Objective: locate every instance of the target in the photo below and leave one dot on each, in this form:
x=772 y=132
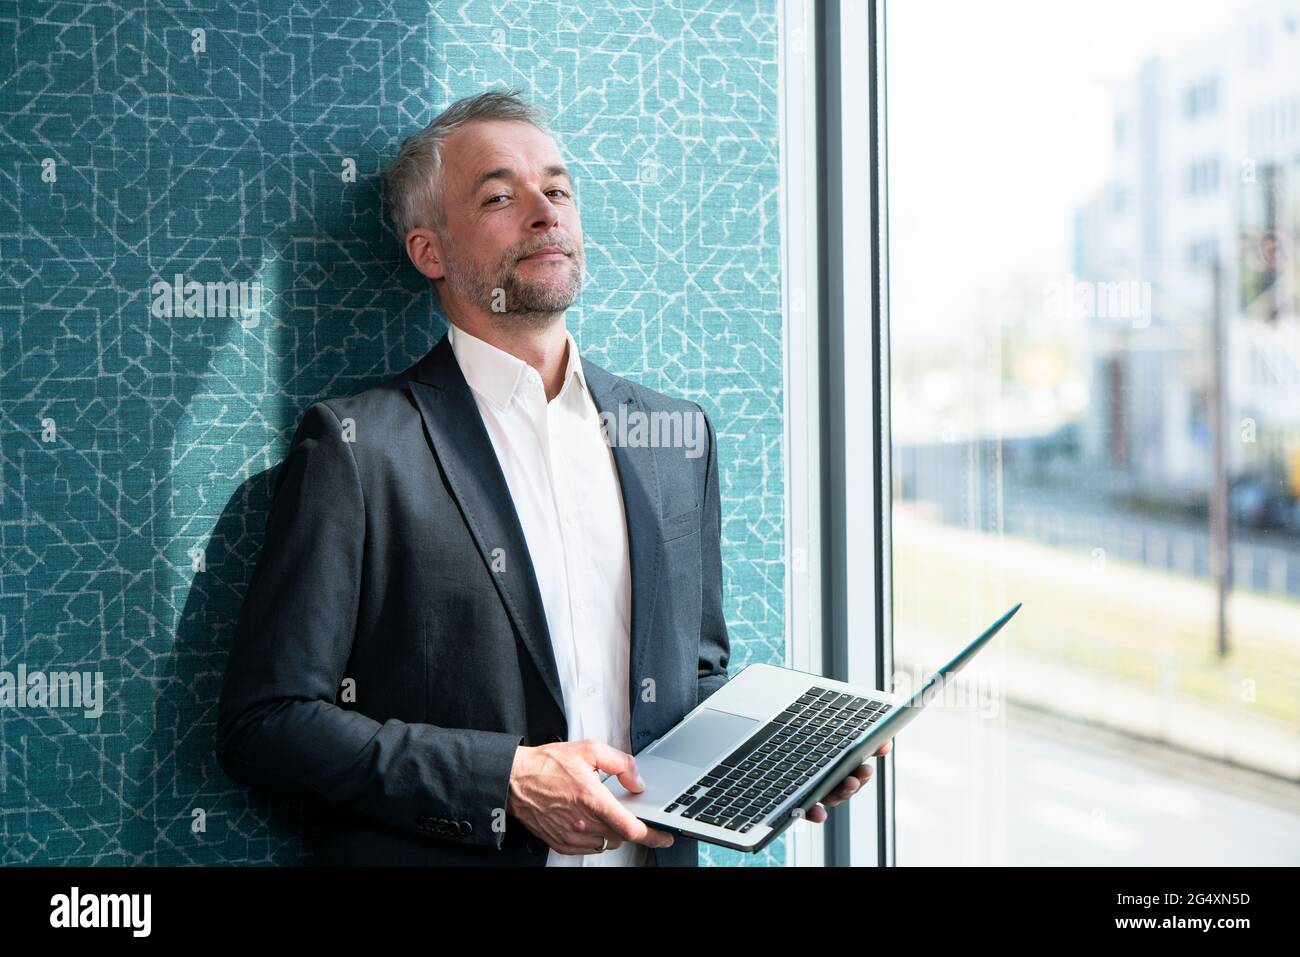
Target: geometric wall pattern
x=137 y=450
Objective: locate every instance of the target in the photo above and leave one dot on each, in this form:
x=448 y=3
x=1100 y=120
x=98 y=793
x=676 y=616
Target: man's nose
x=543 y=212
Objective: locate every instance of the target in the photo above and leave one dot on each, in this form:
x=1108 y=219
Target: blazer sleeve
x=715 y=645
x=278 y=724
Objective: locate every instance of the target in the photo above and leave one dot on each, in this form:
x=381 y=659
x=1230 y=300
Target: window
x=1202 y=98
x=1203 y=176
x=1067 y=407
x=1202 y=253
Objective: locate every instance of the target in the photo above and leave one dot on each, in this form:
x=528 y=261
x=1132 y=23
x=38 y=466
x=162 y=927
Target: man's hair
x=414 y=180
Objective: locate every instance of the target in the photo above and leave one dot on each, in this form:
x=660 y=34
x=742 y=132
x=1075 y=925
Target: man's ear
x=425 y=250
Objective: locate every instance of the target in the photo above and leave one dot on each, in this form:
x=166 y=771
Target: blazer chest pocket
x=683 y=524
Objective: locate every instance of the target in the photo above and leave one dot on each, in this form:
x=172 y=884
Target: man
x=473 y=597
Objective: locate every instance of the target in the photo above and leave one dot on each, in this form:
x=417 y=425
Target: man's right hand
x=557 y=792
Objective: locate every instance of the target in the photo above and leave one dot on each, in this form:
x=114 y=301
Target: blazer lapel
x=464 y=449
x=639 y=477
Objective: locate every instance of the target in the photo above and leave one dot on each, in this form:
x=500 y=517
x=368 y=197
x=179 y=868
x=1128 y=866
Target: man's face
x=505 y=197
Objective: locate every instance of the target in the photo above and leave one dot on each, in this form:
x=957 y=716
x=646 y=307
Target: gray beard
x=525 y=301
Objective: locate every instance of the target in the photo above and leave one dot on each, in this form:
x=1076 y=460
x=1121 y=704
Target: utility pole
x=1220 y=522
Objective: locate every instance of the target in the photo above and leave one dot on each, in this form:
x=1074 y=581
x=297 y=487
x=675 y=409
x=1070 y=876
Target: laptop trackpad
x=704 y=740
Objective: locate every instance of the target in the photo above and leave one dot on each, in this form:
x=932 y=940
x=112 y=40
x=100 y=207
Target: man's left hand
x=848 y=787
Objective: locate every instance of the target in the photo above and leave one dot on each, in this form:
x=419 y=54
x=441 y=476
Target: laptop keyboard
x=756 y=779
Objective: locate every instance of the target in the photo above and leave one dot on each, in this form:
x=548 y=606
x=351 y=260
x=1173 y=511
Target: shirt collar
x=497 y=375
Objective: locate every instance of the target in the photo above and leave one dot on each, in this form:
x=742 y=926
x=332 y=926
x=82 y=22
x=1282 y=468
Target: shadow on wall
x=332 y=306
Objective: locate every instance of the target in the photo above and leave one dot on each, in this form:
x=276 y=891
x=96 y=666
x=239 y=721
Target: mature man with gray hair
x=472 y=597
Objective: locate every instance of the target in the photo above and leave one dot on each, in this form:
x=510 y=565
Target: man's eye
x=493 y=199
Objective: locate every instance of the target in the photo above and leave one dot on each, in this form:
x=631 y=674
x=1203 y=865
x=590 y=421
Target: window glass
x=1064 y=183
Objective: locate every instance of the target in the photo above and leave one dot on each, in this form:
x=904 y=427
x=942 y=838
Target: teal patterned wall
x=217 y=142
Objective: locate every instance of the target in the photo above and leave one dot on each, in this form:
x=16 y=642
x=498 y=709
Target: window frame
x=835 y=335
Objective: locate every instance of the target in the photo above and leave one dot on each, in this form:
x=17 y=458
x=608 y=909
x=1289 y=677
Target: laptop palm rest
x=706 y=739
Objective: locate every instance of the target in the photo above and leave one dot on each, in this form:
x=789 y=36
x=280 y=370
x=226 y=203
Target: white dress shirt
x=565 y=487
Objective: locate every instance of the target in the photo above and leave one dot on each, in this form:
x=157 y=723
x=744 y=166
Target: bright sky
x=999 y=125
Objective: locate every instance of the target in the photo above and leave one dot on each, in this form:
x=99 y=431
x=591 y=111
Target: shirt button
x=591 y=692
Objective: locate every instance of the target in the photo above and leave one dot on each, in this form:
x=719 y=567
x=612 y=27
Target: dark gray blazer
x=382 y=563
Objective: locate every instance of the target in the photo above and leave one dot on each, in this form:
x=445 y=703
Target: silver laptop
x=765 y=747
